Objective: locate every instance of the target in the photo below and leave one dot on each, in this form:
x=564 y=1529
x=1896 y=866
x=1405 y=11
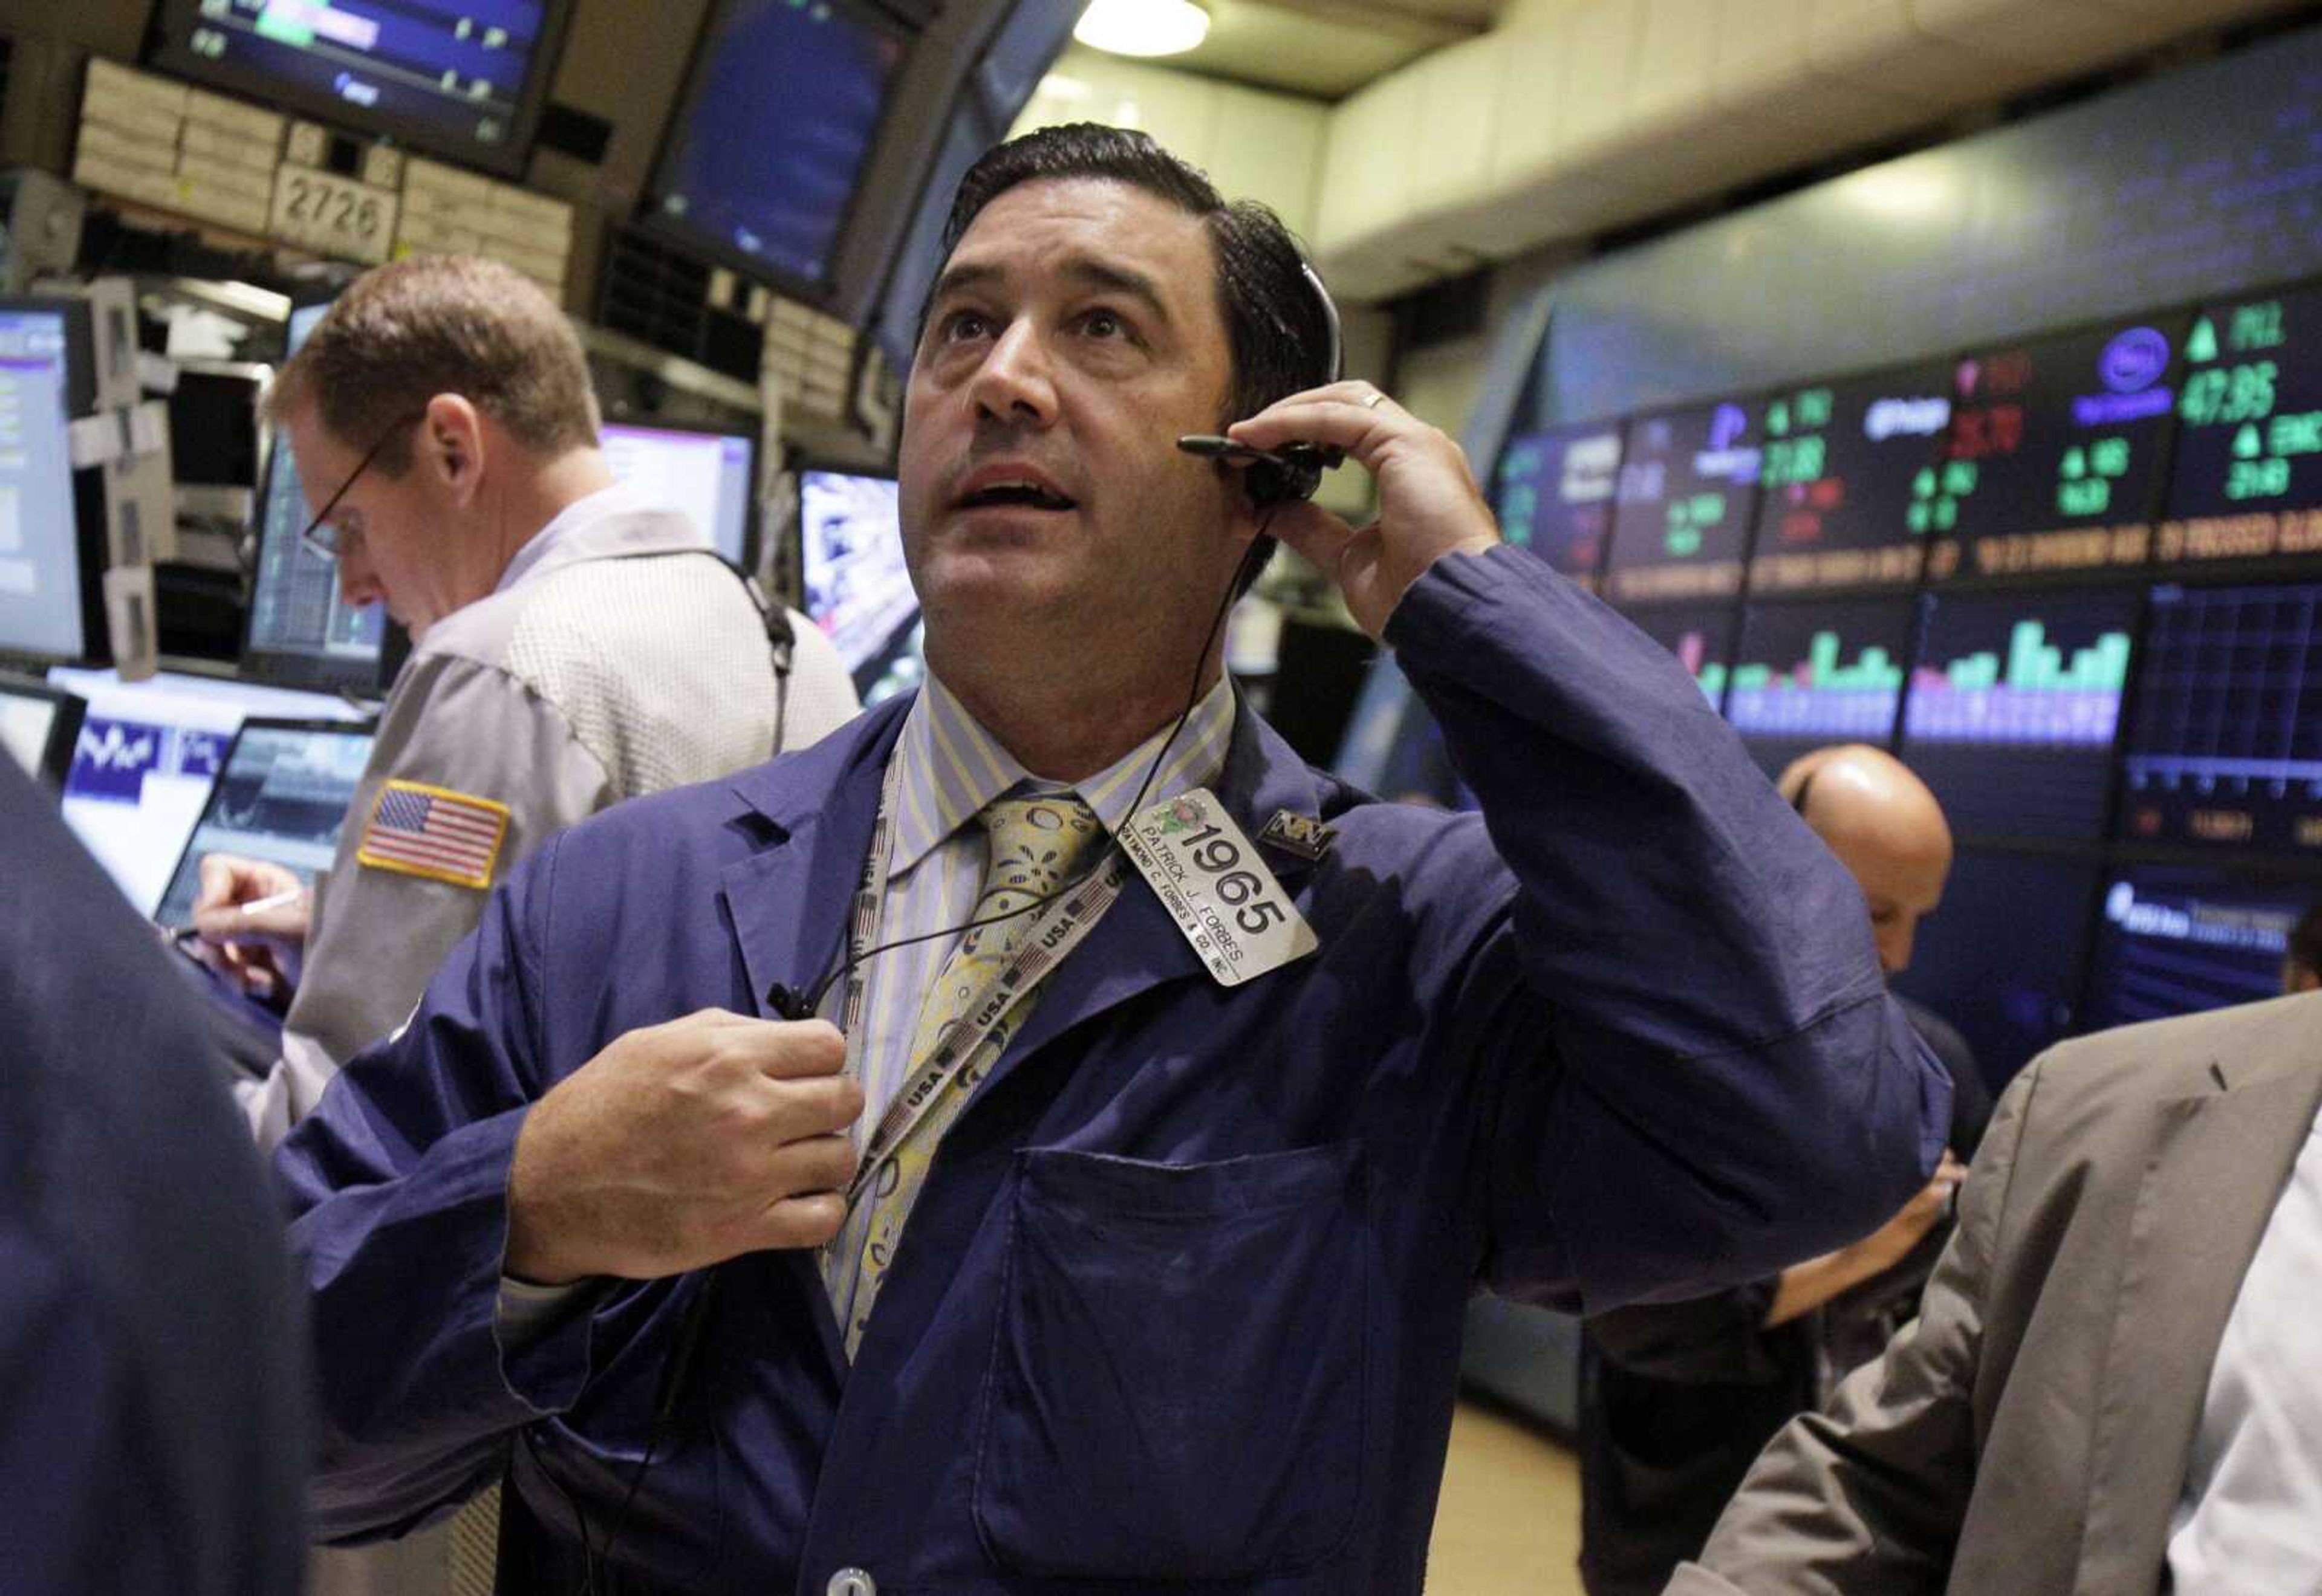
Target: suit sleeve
x=1720 y=1085
x=1870 y=1496
x=398 y=1197
x=457 y=726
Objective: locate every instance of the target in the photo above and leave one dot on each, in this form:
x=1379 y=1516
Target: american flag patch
x=444 y=835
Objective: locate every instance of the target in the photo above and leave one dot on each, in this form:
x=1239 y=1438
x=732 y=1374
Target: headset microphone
x=1294 y=471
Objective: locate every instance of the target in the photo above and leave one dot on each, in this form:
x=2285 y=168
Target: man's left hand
x=1429 y=504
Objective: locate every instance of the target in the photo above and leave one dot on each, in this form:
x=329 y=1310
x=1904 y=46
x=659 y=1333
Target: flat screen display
x=42 y=584
x=2225 y=744
x=2012 y=709
x=2001 y=956
x=282 y=797
x=1701 y=636
x=2247 y=484
x=147 y=756
x=1687 y=497
x=712 y=476
x=1554 y=494
x=2057 y=452
x=857 y=590
x=1809 y=674
x=1844 y=467
x=2175 y=940
x=464 y=79
x=302 y=633
x=771 y=134
x=38 y=726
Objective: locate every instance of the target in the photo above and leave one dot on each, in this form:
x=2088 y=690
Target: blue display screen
x=1807 y=674
x=1554 y=494
x=2175 y=941
x=39 y=539
x=455 y=76
x=771 y=136
x=2014 y=706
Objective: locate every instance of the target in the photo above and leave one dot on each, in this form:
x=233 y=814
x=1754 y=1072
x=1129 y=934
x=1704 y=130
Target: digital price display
x=2000 y=957
x=1810 y=674
x=2175 y=940
x=1687 y=497
x=2012 y=709
x=2248 y=481
x=1554 y=494
x=1701 y=636
x=2054 y=460
x=2225 y=747
x=1840 y=472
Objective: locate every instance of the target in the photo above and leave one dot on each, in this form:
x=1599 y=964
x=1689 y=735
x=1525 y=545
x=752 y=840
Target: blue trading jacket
x=1181 y=1301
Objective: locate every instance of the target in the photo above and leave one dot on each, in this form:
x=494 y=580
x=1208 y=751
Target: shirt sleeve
x=473 y=740
x=1720 y=1085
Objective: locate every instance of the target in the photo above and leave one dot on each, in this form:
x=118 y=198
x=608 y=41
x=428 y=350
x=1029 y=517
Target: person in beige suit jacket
x=2104 y=1392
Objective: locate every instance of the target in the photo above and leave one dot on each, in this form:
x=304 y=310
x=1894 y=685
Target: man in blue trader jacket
x=1180 y=1295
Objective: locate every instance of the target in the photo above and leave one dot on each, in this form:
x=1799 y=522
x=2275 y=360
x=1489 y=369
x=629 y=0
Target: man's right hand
x=260 y=949
x=683 y=1146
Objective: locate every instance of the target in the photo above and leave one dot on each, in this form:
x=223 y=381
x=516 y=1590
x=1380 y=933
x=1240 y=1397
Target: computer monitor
x=2056 y=455
x=773 y=133
x=282 y=797
x=1809 y=674
x=1688 y=498
x=2001 y=957
x=2174 y=939
x=857 y=590
x=52 y=546
x=213 y=431
x=301 y=633
x=2224 y=747
x=712 y=476
x=2246 y=488
x=1554 y=495
x=38 y=725
x=147 y=756
x=1701 y=636
x=1846 y=501
x=2014 y=706
x=465 y=81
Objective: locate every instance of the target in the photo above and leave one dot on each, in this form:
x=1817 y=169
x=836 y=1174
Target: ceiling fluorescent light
x=1143 y=27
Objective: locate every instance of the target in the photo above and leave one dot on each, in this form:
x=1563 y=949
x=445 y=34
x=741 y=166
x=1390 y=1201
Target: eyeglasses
x=320 y=538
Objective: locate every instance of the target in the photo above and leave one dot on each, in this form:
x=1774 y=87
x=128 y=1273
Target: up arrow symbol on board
x=2203 y=345
x=2248 y=443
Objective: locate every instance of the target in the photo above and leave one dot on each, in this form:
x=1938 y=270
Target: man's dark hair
x=2306 y=941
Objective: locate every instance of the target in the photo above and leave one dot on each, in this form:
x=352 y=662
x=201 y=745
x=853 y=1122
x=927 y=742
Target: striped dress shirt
x=951 y=768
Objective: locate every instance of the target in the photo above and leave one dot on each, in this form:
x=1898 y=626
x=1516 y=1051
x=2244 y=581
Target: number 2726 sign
x=333 y=215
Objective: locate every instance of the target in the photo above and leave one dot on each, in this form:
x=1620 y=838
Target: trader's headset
x=1272 y=478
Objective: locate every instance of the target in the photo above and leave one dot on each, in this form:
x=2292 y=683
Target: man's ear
x=451 y=444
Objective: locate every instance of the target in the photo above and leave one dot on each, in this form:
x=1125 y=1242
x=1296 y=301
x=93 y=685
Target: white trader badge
x=1208 y=875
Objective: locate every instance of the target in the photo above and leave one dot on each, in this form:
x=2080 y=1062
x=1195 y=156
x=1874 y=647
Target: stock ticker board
x=2014 y=706
x=2056 y=452
x=2175 y=940
x=1807 y=674
x=2248 y=479
x=1687 y=496
x=1554 y=494
x=2224 y=746
x=1841 y=464
x=1701 y=636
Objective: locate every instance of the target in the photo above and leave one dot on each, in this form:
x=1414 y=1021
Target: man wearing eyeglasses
x=573 y=644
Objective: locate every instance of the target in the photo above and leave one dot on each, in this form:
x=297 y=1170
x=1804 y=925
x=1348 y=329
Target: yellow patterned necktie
x=1037 y=845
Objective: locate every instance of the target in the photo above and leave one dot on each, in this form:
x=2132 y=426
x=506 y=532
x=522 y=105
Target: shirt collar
x=612 y=521
x=952 y=767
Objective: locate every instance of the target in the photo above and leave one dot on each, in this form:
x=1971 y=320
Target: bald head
x=1887 y=830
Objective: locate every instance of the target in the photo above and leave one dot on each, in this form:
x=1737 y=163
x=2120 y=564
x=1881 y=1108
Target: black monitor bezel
x=651 y=218
x=510 y=160
x=64 y=730
x=364 y=729
x=753 y=518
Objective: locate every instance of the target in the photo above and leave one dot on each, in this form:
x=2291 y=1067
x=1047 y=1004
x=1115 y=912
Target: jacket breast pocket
x=1178 y=1380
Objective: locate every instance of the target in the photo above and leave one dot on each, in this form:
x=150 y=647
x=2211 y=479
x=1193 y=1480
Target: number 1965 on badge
x=1210 y=877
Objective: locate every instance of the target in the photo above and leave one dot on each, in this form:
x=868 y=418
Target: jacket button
x=851 y=1581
